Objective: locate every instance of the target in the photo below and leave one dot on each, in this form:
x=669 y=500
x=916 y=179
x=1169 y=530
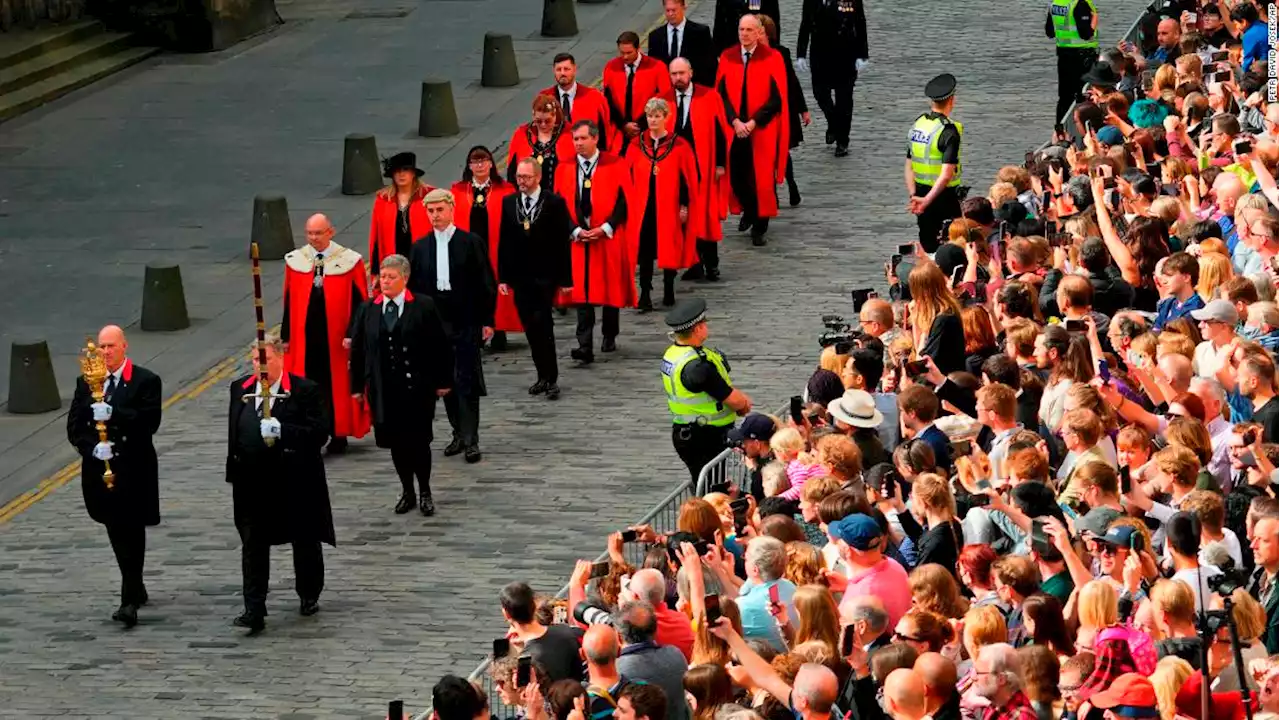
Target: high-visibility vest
x=1065 y=32
x=688 y=407
x=926 y=157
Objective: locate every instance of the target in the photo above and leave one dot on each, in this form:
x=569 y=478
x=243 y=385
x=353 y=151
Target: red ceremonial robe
x=505 y=318
x=344 y=286
x=382 y=226
x=766 y=86
x=521 y=148
x=710 y=150
x=603 y=270
x=672 y=167
x=651 y=80
x=588 y=104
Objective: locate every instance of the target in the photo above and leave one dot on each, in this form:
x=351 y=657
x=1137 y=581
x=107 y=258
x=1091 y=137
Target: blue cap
x=1119 y=535
x=754 y=427
x=1111 y=136
x=858 y=531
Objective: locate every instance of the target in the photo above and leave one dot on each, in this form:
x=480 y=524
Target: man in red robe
x=594 y=186
x=698 y=117
x=324 y=283
x=752 y=82
x=629 y=81
x=578 y=102
x=664 y=182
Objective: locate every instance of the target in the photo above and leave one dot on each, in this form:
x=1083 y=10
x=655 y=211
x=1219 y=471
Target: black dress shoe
x=646 y=303
x=758 y=239
x=538 y=388
x=309 y=608
x=794 y=192
x=693 y=273
x=713 y=276
x=127 y=614
x=406 y=503
x=553 y=391
x=609 y=345
x=144 y=598
x=473 y=454
x=830 y=138
x=668 y=300
x=337 y=446
x=252 y=621
x=582 y=355
x=499 y=341
x=744 y=224
x=842 y=150
x=453 y=448
x=426 y=506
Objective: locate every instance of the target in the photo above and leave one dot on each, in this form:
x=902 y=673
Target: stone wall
x=17 y=14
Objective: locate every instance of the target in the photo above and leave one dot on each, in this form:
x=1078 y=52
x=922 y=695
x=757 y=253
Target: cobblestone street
x=408 y=599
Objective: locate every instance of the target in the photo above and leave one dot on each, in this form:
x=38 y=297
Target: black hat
x=1101 y=74
x=687 y=314
x=941 y=87
x=401 y=161
x=755 y=426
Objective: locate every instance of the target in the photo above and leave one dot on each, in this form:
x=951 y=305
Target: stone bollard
x=361 y=169
x=271 y=228
x=436 y=114
x=499 y=66
x=559 y=18
x=164 y=306
x=32 y=385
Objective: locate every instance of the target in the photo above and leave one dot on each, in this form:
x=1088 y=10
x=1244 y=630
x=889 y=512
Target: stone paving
x=408 y=598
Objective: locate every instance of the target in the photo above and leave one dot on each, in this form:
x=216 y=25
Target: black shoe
x=693 y=273
x=337 y=446
x=473 y=454
x=144 y=599
x=538 y=388
x=553 y=391
x=406 y=503
x=713 y=276
x=127 y=614
x=453 y=448
x=499 y=341
x=758 y=239
x=562 y=311
x=668 y=299
x=794 y=194
x=609 y=345
x=830 y=138
x=842 y=150
x=309 y=608
x=582 y=355
x=646 y=303
x=252 y=621
x=426 y=505
x=744 y=224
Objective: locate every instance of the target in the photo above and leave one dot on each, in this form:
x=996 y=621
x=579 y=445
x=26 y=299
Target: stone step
x=34 y=95
x=22 y=45
x=52 y=62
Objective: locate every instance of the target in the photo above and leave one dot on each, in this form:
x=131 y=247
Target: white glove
x=802 y=65
x=101 y=411
x=861 y=64
x=102 y=451
x=270 y=428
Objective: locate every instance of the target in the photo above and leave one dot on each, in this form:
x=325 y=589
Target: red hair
x=976 y=560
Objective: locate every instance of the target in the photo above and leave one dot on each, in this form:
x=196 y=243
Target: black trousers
x=943 y=209
x=129 y=542
x=412 y=459
x=255 y=565
x=743 y=182
x=533 y=305
x=709 y=254
x=833 y=92
x=585 y=331
x=1073 y=63
x=698 y=445
x=464 y=417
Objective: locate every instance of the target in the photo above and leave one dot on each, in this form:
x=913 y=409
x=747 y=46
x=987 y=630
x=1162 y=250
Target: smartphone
x=1242 y=146
x=957 y=274
x=1148 y=81
x=631 y=535
x=712 y=602
x=1126 y=481
x=1039 y=538
x=599 y=570
x=740 y=508
x=1220 y=76
x=965 y=449
x=894 y=261
x=524 y=671
x=1219 y=56
x=1060 y=240
x=797 y=409
x=846 y=641
x=1137 y=543
x=907 y=249
x=1004 y=230
x=1249 y=437
x=395 y=710
x=860 y=297
x=775 y=600
x=1192 y=17
x=1029 y=159
x=1059 y=130
x=1248 y=459
x=501 y=647
x=1050 y=226
x=1074 y=325
x=915 y=367
x=1104 y=371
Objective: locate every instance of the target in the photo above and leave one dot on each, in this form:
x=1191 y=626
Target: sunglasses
x=898 y=637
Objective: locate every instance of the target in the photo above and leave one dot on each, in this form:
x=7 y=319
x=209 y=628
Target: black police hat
x=687 y=314
x=941 y=87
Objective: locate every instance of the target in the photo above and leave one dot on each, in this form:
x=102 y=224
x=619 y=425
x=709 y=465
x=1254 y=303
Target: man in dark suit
x=130 y=407
x=278 y=485
x=534 y=263
x=729 y=12
x=465 y=295
x=838 y=29
x=682 y=37
x=402 y=361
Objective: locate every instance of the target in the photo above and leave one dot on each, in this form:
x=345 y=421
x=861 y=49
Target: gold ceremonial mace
x=94 y=371
x=264 y=385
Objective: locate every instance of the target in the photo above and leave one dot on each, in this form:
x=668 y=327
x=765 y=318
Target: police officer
x=933 y=162
x=1073 y=26
x=700 y=394
x=838 y=29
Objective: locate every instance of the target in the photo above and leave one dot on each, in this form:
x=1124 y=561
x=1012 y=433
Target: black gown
x=404 y=234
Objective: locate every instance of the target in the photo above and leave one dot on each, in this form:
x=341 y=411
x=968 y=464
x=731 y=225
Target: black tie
x=111 y=388
x=673 y=52
x=390 y=315
x=528 y=203
x=742 y=103
x=680 y=123
x=584 y=197
x=631 y=77
x=564 y=104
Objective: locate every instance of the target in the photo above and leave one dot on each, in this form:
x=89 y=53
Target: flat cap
x=686 y=314
x=941 y=87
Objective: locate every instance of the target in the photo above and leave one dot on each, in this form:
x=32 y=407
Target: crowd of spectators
x=1037 y=479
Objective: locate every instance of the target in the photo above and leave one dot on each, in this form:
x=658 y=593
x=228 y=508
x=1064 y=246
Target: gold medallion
x=526 y=226
x=537 y=159
x=586 y=183
x=655 y=169
x=479 y=199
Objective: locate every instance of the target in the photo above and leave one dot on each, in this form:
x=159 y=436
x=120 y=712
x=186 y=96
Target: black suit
x=838 y=29
x=465 y=310
x=729 y=12
x=400 y=367
x=280 y=494
x=535 y=263
x=695 y=45
x=134 y=503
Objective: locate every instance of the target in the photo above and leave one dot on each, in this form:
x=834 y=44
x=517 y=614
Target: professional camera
x=1228 y=582
x=588 y=614
x=838 y=332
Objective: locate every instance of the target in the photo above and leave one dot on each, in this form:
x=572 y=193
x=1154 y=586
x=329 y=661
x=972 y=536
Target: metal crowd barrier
x=727 y=467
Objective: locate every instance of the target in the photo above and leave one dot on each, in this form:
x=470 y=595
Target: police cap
x=687 y=314
x=941 y=87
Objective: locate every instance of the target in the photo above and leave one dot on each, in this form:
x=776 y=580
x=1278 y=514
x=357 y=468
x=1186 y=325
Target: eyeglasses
x=899 y=637
x=1070 y=689
x=1107 y=549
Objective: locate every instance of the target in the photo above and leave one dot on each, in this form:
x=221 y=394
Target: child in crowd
x=788 y=446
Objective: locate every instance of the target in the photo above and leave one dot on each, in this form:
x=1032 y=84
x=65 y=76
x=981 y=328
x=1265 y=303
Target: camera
x=588 y=614
x=1228 y=582
x=838 y=332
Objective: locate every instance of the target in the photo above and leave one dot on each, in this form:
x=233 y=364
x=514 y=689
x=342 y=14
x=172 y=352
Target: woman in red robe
x=398 y=218
x=545 y=138
x=477 y=202
x=664 y=186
